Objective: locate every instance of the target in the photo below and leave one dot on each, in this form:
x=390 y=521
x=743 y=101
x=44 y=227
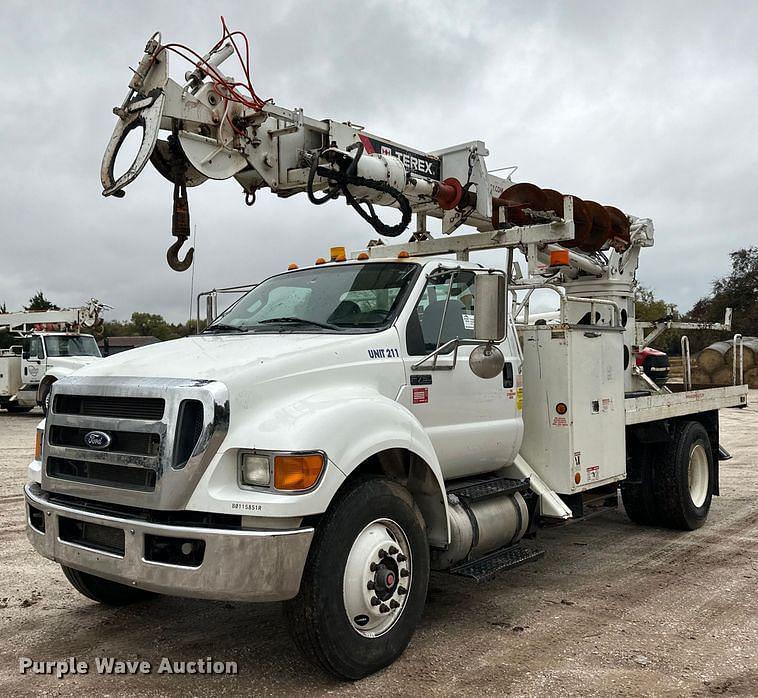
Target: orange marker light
x=297 y=472
x=38 y=444
x=559 y=258
x=320 y=260
x=577 y=478
x=337 y=254
x=291 y=266
x=362 y=255
x=403 y=255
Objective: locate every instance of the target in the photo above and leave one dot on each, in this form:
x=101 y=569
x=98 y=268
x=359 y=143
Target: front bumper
x=238 y=565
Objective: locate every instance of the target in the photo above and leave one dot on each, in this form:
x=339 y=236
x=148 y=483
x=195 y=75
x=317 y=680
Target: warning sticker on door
x=519 y=399
x=560 y=422
x=420 y=395
x=593 y=472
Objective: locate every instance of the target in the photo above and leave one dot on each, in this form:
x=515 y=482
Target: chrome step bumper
x=239 y=565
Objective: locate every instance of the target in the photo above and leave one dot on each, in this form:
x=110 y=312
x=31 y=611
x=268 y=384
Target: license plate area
x=106 y=539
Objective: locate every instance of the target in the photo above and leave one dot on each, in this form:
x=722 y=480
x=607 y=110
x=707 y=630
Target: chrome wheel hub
x=377 y=578
x=697 y=475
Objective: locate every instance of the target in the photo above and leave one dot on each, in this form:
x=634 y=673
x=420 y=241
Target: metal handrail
x=735 y=340
x=211 y=297
x=564 y=300
x=686 y=362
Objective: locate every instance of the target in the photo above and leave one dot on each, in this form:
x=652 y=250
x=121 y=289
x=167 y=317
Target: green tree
x=648 y=308
x=38 y=302
x=738 y=290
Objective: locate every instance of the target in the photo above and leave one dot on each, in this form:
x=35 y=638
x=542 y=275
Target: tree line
x=737 y=290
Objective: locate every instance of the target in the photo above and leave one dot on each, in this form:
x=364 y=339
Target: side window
x=35 y=348
x=426 y=329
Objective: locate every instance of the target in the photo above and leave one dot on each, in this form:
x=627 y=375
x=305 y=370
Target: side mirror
x=489 y=307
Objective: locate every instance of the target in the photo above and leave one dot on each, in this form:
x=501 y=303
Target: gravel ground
x=612 y=609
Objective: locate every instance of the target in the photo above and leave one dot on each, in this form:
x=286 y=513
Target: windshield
x=74 y=345
x=348 y=298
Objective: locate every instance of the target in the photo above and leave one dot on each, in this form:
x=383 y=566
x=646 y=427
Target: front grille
x=148 y=408
x=133 y=478
x=133 y=442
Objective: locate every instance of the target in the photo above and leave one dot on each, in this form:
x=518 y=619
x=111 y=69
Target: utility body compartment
x=10 y=374
x=574 y=405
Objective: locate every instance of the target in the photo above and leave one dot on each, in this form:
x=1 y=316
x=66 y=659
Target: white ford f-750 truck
x=345 y=428
x=331 y=439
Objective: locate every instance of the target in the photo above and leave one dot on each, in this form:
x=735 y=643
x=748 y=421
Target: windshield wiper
x=298 y=321
x=224 y=328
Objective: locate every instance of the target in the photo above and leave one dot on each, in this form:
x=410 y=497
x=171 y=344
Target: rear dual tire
x=675 y=480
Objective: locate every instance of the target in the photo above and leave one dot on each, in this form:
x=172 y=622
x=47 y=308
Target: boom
x=218 y=128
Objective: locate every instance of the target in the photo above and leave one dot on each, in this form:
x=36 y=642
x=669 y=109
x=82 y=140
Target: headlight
x=254 y=469
x=38 y=439
x=292 y=472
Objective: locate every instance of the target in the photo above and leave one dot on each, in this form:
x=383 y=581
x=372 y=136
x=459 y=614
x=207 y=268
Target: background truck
x=346 y=428
x=51 y=346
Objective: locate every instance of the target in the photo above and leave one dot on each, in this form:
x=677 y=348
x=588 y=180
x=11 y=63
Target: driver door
x=473 y=423
x=33 y=361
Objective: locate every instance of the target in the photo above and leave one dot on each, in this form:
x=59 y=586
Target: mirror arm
x=418 y=366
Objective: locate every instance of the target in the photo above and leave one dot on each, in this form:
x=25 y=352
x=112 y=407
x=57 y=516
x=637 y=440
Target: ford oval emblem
x=97 y=439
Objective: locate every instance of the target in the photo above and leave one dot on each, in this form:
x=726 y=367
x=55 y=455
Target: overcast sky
x=649 y=106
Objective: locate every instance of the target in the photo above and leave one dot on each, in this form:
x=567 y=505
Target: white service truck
x=348 y=427
x=51 y=347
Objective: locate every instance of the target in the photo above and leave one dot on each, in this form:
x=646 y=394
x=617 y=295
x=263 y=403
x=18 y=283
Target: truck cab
x=49 y=356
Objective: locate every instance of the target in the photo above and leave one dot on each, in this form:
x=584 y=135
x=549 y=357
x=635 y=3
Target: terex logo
x=415 y=163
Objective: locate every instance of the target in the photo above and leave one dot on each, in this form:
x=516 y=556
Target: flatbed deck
x=649 y=408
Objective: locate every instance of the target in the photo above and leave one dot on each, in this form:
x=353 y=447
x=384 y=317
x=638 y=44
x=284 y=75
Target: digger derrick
x=218 y=128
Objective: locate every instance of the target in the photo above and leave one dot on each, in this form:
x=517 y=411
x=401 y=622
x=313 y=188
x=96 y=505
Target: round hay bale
x=711 y=359
x=723 y=376
x=751 y=377
x=700 y=377
x=749 y=353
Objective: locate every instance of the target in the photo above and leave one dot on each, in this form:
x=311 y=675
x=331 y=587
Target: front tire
x=103 y=590
x=364 y=586
x=45 y=398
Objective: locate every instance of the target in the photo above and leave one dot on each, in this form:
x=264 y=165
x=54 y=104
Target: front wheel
x=364 y=586
x=45 y=398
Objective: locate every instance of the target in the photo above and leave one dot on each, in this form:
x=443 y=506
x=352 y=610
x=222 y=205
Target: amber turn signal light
x=38 y=444
x=297 y=472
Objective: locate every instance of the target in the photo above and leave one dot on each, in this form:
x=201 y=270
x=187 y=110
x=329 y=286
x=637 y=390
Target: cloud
x=647 y=106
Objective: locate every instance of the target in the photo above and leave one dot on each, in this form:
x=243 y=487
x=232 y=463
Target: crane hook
x=180 y=229
x=172 y=255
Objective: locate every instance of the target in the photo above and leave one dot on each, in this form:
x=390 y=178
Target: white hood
x=243 y=357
